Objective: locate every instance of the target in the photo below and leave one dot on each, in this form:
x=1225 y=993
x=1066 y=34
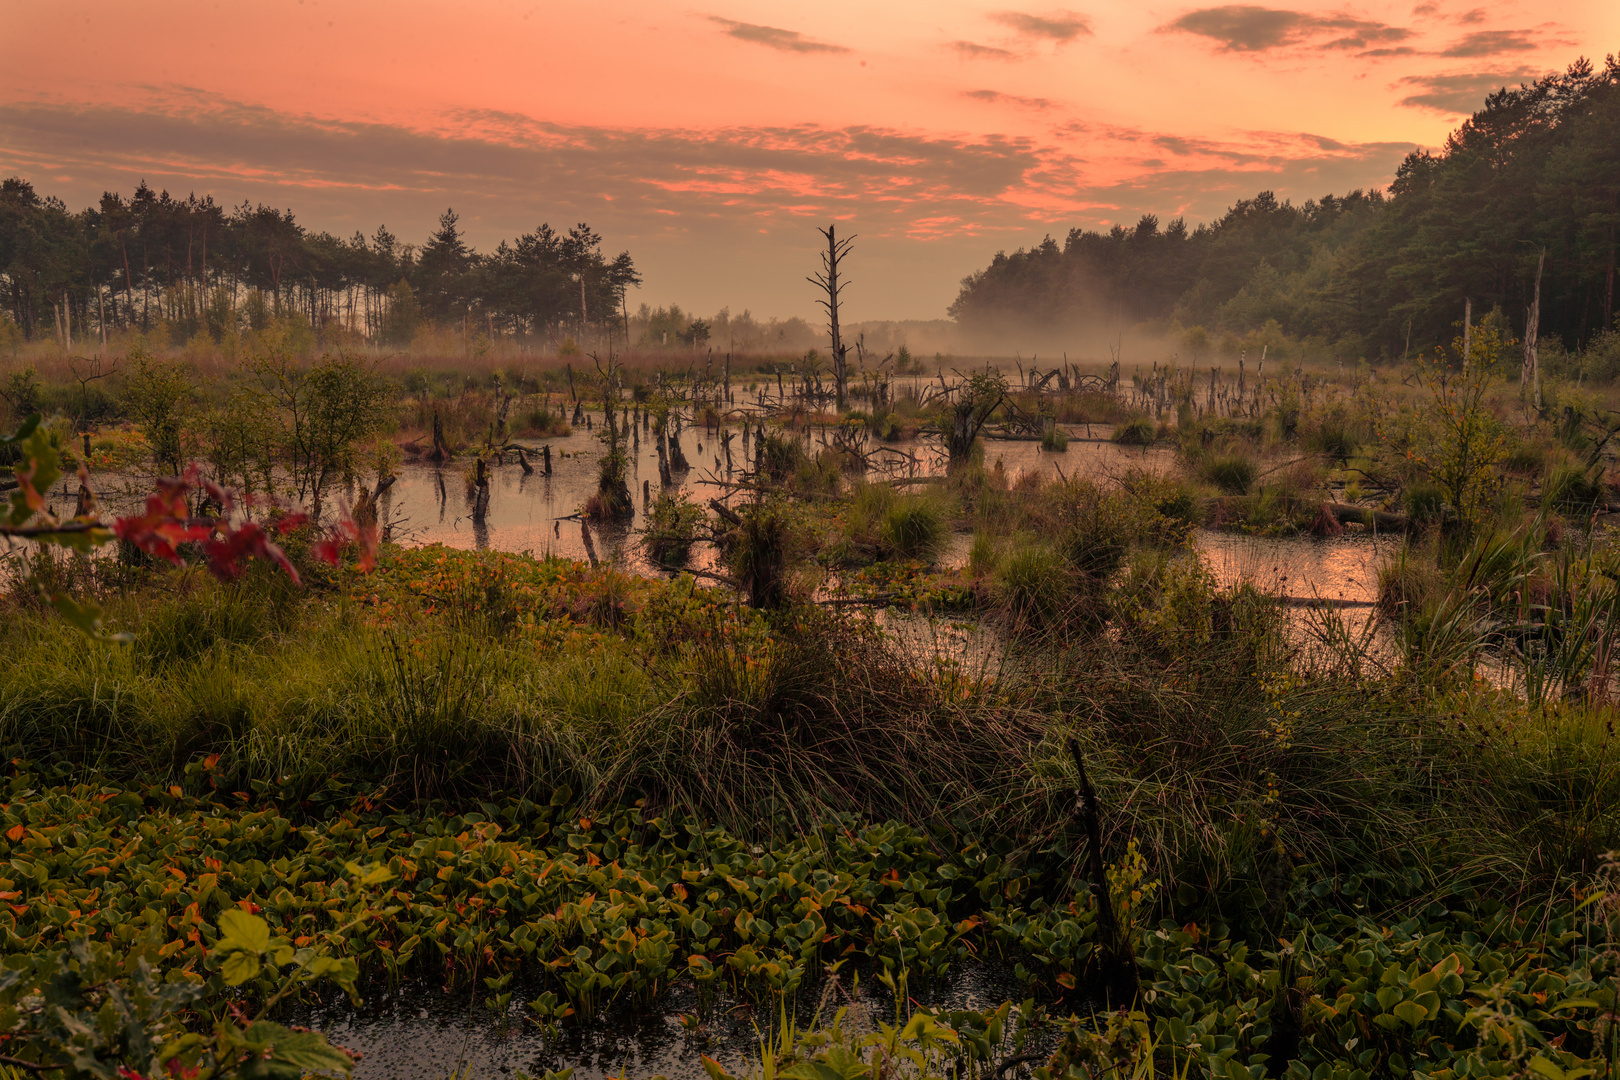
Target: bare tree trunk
x=828 y=281
x=590 y=548
x=583 y=322
x=1608 y=286
x=1468 y=330
x=1532 y=324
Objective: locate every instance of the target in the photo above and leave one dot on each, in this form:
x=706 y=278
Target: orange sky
x=709 y=139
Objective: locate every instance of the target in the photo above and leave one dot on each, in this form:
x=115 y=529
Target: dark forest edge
x=1537 y=169
x=194 y=267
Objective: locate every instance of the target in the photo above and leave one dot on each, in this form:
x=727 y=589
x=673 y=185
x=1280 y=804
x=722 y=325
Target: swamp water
x=421 y=1031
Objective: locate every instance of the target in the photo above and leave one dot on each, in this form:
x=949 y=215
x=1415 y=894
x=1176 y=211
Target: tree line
x=152 y=258
x=1535 y=172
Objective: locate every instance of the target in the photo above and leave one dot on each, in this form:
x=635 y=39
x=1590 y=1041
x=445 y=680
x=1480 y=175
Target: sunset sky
x=710 y=138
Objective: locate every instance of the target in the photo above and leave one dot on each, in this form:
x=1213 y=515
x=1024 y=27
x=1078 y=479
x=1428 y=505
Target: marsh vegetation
x=905 y=710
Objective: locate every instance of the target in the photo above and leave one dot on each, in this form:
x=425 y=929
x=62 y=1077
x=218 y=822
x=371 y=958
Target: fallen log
x=1381 y=520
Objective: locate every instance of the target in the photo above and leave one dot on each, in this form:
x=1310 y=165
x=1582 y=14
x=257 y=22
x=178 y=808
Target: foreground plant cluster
x=256 y=762
x=127 y=902
x=272 y=796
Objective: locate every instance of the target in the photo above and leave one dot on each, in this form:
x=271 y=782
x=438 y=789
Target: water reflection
x=524 y=510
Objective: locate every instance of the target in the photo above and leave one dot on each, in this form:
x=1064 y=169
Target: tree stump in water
x=481 y=495
x=441 y=449
x=590 y=548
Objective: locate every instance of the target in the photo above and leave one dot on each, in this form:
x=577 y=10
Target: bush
x=671 y=529
x=1137 y=432
x=1169 y=497
x=1055 y=439
x=1334 y=434
x=1572 y=488
x=759 y=552
x=984 y=557
x=778 y=456
x=1035 y=587
x=1425 y=503
x=1234 y=474
x=915 y=529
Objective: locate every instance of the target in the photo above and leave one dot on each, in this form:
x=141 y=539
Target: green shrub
x=1425 y=503
x=1233 y=473
x=1335 y=434
x=1525 y=460
x=1169 y=496
x=1137 y=432
x=1572 y=488
x=671 y=529
x=915 y=529
x=777 y=455
x=1035 y=587
x=984 y=556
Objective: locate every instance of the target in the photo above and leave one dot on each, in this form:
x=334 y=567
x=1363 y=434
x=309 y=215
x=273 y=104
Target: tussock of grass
x=1232 y=473
x=1137 y=432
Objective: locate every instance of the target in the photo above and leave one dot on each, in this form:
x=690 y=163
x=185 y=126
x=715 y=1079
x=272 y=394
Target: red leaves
x=226 y=544
x=167 y=522
x=329 y=549
x=246 y=541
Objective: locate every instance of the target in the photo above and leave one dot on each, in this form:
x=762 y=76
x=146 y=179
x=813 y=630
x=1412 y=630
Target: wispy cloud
x=1250 y=28
x=1059 y=26
x=972 y=50
x=736 y=198
x=775 y=37
x=1462 y=93
x=996 y=97
x=1492 y=43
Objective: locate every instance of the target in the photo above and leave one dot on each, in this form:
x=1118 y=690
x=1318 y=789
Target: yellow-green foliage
x=1460 y=443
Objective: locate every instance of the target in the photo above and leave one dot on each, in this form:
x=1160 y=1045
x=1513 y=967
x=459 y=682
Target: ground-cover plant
x=615 y=908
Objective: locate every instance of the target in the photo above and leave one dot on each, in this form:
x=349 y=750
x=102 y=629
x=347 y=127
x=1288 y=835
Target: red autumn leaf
x=288 y=522
x=248 y=540
x=346 y=531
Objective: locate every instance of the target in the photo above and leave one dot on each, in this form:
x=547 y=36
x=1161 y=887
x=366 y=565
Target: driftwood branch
x=1117 y=960
x=29 y=532
x=725 y=511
